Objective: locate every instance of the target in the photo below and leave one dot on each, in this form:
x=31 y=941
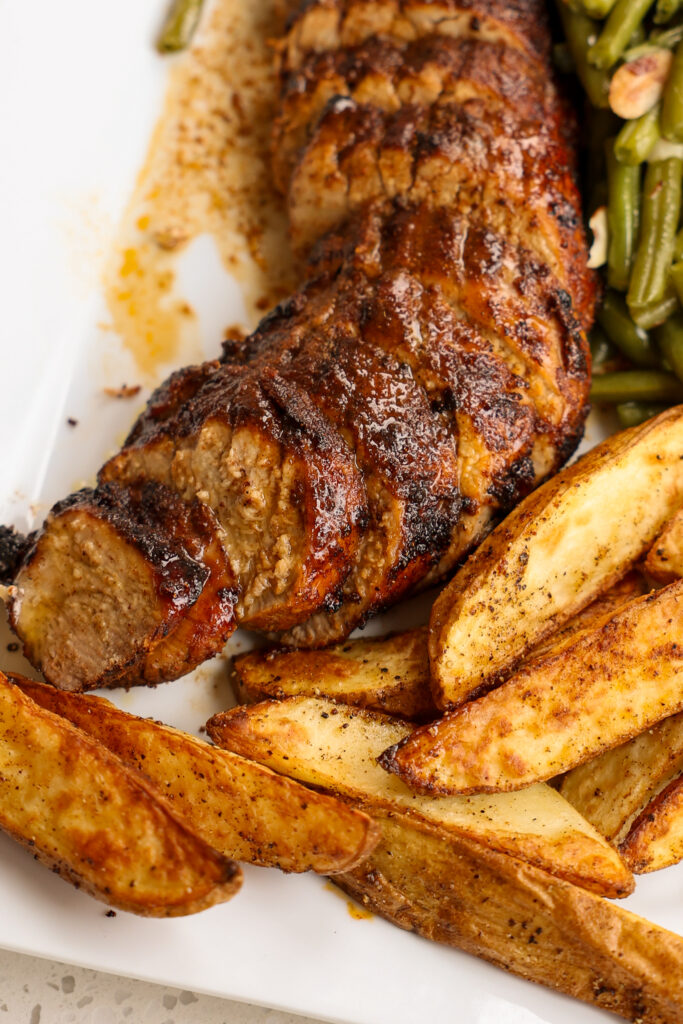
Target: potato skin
x=598 y=689
x=561 y=547
x=238 y=807
x=655 y=839
x=335 y=748
x=521 y=919
x=84 y=814
x=664 y=562
x=612 y=789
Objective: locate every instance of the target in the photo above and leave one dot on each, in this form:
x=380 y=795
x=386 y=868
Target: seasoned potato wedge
x=388 y=674
x=239 y=807
x=598 y=689
x=612 y=789
x=97 y=823
x=655 y=839
x=494 y=906
x=336 y=747
x=664 y=560
x=563 y=545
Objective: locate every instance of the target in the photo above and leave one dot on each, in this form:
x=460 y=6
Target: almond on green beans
x=639 y=83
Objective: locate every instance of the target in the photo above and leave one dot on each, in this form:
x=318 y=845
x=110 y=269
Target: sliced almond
x=637 y=85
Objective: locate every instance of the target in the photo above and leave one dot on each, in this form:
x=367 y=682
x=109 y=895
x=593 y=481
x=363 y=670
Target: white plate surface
x=80 y=88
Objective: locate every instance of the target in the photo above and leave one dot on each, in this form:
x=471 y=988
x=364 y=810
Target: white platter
x=80 y=88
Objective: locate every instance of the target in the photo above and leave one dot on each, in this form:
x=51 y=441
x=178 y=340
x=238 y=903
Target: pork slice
x=408 y=459
x=492 y=165
x=321 y=25
x=389 y=75
x=109 y=580
x=282 y=483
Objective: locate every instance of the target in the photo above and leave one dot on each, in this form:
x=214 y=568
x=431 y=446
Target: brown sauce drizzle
x=207 y=171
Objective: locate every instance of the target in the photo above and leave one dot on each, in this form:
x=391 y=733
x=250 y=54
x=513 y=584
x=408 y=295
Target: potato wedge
x=595 y=691
x=655 y=839
x=389 y=673
x=563 y=545
x=237 y=806
x=458 y=892
x=336 y=747
x=664 y=560
x=91 y=819
x=611 y=790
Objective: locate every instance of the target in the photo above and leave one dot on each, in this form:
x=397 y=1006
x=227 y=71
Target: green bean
x=597 y=8
x=578 y=30
x=661 y=208
x=631 y=340
x=656 y=313
x=624 y=18
x=636 y=386
x=669 y=339
x=602 y=349
x=665 y=10
x=623 y=217
x=632 y=414
x=676 y=275
x=668 y=37
x=180 y=25
x=678 y=246
x=637 y=138
x=672 y=103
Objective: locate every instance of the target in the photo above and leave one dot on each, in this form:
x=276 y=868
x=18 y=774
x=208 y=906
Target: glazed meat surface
x=432 y=369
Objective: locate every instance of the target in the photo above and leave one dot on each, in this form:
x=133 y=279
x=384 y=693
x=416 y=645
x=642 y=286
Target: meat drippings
x=207 y=171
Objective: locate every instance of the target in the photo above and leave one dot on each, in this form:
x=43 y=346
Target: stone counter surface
x=35 y=991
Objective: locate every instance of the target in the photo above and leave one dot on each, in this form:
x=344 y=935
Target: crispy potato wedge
x=458 y=892
x=563 y=545
x=664 y=561
x=95 y=822
x=611 y=790
x=237 y=806
x=389 y=673
x=593 y=692
x=336 y=747
x=655 y=839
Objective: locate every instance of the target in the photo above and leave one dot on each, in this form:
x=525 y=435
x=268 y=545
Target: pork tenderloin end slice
x=101 y=586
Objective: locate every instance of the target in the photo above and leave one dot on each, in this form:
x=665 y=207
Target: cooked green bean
x=179 y=26
x=578 y=30
x=665 y=10
x=623 y=218
x=637 y=138
x=624 y=19
x=669 y=339
x=678 y=246
x=631 y=340
x=669 y=37
x=632 y=414
x=660 y=211
x=636 y=386
x=656 y=313
x=597 y=8
x=602 y=349
x=676 y=275
x=672 y=103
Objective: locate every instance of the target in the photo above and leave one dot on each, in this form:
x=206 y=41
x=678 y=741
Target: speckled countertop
x=34 y=991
